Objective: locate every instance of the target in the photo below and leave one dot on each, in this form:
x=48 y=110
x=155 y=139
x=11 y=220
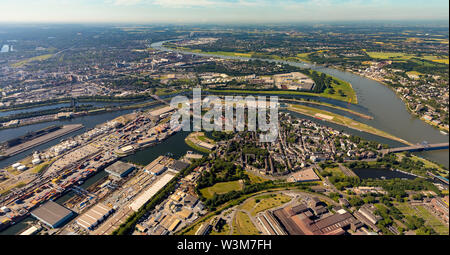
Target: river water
x=89 y=122
x=388 y=111
x=376 y=173
x=60 y=105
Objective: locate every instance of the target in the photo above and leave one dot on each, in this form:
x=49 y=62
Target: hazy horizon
x=220 y=11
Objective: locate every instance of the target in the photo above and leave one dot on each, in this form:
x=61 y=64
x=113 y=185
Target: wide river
x=388 y=111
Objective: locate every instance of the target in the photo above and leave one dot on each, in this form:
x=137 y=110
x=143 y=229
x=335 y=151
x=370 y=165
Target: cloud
x=125 y=2
x=192 y=3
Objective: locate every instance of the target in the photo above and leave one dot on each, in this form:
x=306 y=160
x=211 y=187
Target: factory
x=52 y=214
x=94 y=216
x=300 y=220
x=119 y=169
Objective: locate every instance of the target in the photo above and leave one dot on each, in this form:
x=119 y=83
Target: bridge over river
x=417 y=147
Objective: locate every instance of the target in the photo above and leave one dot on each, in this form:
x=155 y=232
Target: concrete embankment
x=41 y=140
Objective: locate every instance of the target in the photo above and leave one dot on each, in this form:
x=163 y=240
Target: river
x=375 y=99
x=60 y=105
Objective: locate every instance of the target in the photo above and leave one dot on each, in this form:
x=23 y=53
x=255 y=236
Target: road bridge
x=417 y=147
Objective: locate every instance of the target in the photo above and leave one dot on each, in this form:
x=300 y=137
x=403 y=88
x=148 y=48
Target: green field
x=422 y=212
x=399 y=56
x=390 y=55
x=221 y=188
x=242 y=225
x=28 y=60
x=341 y=120
x=258 y=204
x=335 y=96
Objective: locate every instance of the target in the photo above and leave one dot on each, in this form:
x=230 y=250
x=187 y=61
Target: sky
x=219 y=11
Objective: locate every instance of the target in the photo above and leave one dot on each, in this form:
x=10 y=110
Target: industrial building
x=157 y=166
x=31 y=231
x=119 y=169
x=52 y=214
x=161 y=111
x=178 y=166
x=299 y=220
x=94 y=216
x=150 y=192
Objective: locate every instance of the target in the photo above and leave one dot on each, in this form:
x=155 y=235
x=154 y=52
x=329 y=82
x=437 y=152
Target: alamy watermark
x=258 y=116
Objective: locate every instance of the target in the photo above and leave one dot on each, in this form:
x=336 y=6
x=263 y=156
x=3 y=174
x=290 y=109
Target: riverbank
x=348 y=93
x=93 y=111
x=341 y=120
x=331 y=106
x=41 y=140
x=439 y=127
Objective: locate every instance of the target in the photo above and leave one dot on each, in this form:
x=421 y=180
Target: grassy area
x=196 y=147
x=422 y=212
x=427 y=163
x=28 y=60
x=258 y=204
x=192 y=231
x=341 y=120
x=414 y=73
x=40 y=167
x=202 y=137
x=221 y=188
x=345 y=87
x=335 y=171
x=335 y=96
x=390 y=55
x=303 y=56
x=399 y=56
x=166 y=92
x=255 y=179
x=191 y=141
x=442 y=60
x=243 y=225
x=224 y=231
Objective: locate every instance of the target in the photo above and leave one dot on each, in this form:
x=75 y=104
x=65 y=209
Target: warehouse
x=120 y=169
x=157 y=169
x=161 y=111
x=94 y=216
x=150 y=192
x=52 y=214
